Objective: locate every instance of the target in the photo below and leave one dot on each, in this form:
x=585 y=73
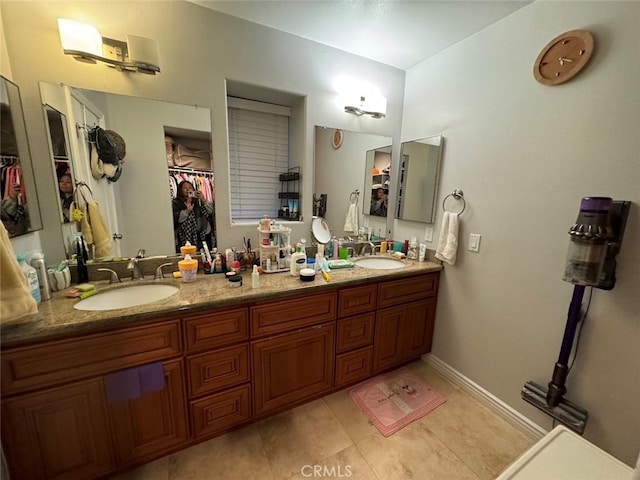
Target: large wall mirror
x=418 y=179
x=168 y=149
x=343 y=167
x=20 y=210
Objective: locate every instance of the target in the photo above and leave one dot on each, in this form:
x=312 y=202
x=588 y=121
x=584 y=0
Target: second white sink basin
x=131 y=296
x=379 y=263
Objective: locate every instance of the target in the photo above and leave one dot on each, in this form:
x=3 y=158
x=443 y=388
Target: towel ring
x=458 y=195
x=353 y=198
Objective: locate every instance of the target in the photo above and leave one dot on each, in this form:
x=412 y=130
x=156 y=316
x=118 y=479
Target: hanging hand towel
x=100 y=231
x=14 y=292
x=351 y=220
x=448 y=241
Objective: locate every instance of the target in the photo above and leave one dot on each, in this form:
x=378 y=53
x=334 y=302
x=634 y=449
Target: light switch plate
x=428 y=234
x=474 y=242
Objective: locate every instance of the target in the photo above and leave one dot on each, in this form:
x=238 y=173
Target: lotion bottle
x=32 y=277
x=298 y=262
x=255 y=277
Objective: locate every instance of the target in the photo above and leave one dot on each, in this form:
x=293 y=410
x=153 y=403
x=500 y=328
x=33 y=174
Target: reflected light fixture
x=373 y=105
x=85 y=44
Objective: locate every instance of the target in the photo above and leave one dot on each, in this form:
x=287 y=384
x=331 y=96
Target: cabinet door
x=387 y=350
x=61 y=433
x=291 y=367
x=153 y=423
x=417 y=330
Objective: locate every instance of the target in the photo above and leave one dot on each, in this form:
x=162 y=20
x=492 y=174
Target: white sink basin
x=379 y=263
x=131 y=296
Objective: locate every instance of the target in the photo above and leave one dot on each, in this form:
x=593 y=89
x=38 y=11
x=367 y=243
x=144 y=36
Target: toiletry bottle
x=423 y=252
x=217 y=263
x=412 y=251
x=81 y=259
x=287 y=258
x=37 y=262
x=32 y=277
x=255 y=277
x=336 y=247
x=298 y=262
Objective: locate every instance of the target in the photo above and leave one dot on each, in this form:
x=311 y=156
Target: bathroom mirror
x=56 y=125
x=166 y=143
x=377 y=178
x=418 y=179
x=340 y=174
x=20 y=211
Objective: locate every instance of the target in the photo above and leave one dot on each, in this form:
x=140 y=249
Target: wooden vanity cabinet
x=66 y=429
x=292 y=367
x=59 y=433
x=218 y=371
x=355 y=333
x=297 y=361
x=404 y=332
x=223 y=369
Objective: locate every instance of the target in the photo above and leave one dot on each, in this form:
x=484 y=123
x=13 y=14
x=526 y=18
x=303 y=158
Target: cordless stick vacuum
x=595 y=241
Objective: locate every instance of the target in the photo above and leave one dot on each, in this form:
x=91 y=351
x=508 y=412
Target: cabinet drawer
x=47 y=364
x=354 y=332
x=290 y=314
x=397 y=292
x=216 y=329
x=356 y=300
x=217 y=413
x=216 y=370
x=354 y=366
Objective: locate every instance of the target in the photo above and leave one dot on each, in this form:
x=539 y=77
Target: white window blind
x=258 y=153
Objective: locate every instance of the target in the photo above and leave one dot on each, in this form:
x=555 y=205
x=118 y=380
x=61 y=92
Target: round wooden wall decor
x=563 y=57
x=338 y=137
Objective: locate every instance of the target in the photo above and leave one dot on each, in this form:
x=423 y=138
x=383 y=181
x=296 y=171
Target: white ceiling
x=399 y=33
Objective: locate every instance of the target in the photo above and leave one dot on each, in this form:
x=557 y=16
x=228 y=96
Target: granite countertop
x=57 y=319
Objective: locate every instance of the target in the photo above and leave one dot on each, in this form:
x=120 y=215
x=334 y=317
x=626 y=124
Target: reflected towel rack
x=457 y=194
x=353 y=198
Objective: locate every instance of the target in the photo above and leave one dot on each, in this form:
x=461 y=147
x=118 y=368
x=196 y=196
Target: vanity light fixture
x=85 y=44
x=372 y=105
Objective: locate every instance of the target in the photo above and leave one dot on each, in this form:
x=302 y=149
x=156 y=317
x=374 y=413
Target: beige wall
x=199 y=50
x=524 y=155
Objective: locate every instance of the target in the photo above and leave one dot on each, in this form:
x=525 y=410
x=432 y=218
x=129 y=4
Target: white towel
x=17 y=301
x=448 y=242
x=351 y=220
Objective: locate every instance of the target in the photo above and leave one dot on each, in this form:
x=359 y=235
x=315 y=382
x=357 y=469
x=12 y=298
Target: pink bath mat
x=394 y=400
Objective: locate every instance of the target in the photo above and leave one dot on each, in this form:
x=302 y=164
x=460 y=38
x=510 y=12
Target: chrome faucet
x=159 y=273
x=114 y=275
x=371 y=247
x=134 y=266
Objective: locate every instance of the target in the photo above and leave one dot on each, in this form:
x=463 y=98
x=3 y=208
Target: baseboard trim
x=502 y=409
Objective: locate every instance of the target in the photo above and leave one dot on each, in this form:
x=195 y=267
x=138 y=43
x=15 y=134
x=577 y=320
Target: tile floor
x=332 y=438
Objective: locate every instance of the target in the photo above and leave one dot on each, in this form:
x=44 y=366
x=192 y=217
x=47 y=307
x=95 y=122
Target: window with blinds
x=258 y=153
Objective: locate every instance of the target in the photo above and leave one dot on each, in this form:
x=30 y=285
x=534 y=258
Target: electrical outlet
x=428 y=234
x=474 y=242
